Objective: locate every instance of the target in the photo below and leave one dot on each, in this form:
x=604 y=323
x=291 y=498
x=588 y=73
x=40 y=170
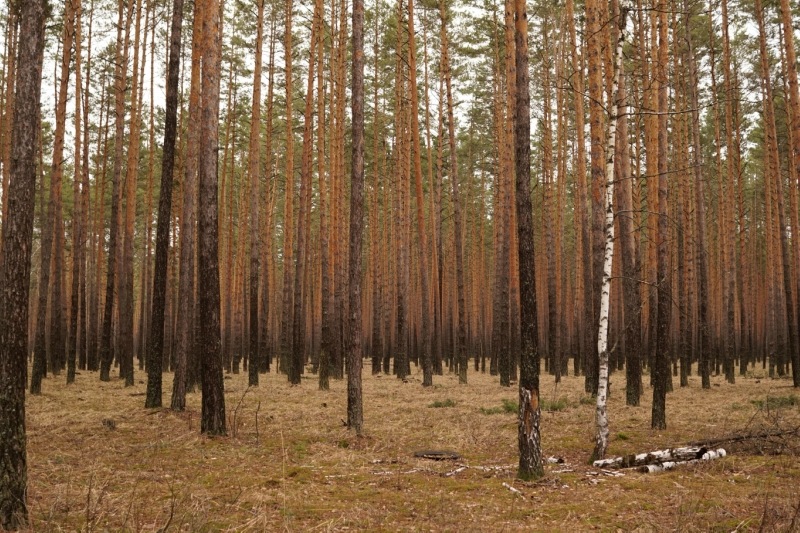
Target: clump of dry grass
x=290 y=464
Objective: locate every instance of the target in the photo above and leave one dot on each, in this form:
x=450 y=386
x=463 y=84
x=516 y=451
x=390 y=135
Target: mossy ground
x=290 y=464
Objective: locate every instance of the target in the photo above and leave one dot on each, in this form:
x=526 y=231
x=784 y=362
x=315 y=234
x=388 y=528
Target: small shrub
x=510 y=406
x=622 y=436
x=442 y=403
x=555 y=405
x=587 y=400
x=777 y=402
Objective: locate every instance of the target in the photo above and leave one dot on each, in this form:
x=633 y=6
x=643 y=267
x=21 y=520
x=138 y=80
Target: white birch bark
x=669 y=465
x=671 y=455
x=601 y=414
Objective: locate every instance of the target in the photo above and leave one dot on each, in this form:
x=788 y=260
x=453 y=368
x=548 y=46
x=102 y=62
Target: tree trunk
x=288 y=225
x=15 y=266
x=700 y=221
x=601 y=415
x=427 y=366
x=120 y=76
x=155 y=352
x=253 y=171
x=49 y=248
x=213 y=396
x=355 y=411
x=298 y=355
x=77 y=216
x=594 y=45
x=794 y=102
x=661 y=363
x=126 y=304
x=457 y=240
x=530 y=451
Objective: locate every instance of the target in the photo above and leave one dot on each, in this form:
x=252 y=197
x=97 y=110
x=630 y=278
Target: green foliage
x=777 y=402
x=442 y=403
x=587 y=400
x=510 y=406
x=555 y=405
x=622 y=436
x=507 y=407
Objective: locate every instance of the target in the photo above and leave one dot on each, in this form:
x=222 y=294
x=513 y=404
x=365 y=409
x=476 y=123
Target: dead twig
x=748 y=436
x=513 y=490
x=234 y=425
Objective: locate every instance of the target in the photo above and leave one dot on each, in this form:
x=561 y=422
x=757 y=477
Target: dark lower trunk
x=15 y=266
x=155 y=351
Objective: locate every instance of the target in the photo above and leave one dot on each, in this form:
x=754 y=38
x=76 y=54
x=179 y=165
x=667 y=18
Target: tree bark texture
x=15 y=265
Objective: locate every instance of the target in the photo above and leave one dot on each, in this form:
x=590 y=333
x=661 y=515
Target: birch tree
x=601 y=415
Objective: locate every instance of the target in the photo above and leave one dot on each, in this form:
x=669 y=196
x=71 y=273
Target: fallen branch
x=740 y=437
x=512 y=489
x=454 y=472
x=669 y=465
x=655 y=457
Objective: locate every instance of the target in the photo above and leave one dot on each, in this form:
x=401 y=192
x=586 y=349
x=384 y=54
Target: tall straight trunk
x=288 y=216
x=601 y=414
x=338 y=151
x=583 y=272
x=15 y=266
x=126 y=310
x=593 y=22
x=794 y=102
x=547 y=200
x=155 y=351
x=51 y=226
x=501 y=342
x=661 y=363
x=376 y=344
x=700 y=220
x=253 y=172
x=7 y=84
x=457 y=240
x=355 y=410
x=326 y=275
x=186 y=308
x=400 y=226
x=530 y=449
x=77 y=216
x=266 y=246
x=650 y=83
x=83 y=326
x=298 y=355
x=212 y=419
x=630 y=267
x=92 y=363
x=561 y=198
x=121 y=81
x=731 y=174
x=773 y=177
x=146 y=275
x=427 y=366
x=436 y=354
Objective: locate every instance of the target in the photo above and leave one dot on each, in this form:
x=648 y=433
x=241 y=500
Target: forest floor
x=99 y=461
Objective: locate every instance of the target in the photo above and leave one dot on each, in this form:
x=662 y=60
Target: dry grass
x=293 y=466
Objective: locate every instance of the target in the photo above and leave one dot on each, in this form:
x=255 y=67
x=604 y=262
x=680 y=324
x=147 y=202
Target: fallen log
x=655 y=457
x=669 y=465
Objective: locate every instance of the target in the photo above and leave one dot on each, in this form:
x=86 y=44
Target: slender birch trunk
x=601 y=415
